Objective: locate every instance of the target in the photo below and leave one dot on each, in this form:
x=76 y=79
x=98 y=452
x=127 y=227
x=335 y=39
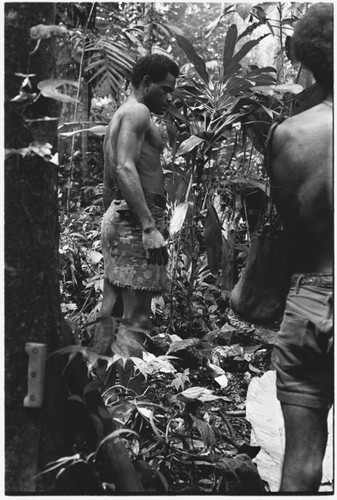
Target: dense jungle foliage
x=224 y=104
x=237 y=76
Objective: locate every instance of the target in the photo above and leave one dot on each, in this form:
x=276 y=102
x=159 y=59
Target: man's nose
x=169 y=97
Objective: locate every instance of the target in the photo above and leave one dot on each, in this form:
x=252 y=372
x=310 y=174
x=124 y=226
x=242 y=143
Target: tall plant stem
x=80 y=73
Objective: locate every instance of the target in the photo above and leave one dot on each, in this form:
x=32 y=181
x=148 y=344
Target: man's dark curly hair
x=156 y=66
x=312 y=42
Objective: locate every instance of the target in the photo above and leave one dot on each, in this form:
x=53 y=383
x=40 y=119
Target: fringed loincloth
x=125 y=263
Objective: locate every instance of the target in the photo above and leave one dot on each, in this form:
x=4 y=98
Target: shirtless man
x=301 y=178
x=134 y=248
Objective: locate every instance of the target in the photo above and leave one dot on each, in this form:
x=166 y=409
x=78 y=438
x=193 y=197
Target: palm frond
x=110 y=64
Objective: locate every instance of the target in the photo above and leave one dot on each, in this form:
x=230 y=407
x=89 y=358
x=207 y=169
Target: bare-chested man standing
x=301 y=178
x=134 y=248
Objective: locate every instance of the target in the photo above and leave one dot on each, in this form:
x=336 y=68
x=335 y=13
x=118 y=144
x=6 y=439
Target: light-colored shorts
x=303 y=353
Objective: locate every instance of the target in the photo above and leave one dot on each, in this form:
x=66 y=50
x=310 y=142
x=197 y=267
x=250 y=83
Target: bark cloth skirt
x=125 y=263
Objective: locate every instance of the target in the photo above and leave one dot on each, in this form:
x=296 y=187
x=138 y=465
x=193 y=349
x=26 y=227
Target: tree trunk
x=33 y=436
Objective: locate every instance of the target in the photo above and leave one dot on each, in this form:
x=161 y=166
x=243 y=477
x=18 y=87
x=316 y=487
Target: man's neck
x=138 y=95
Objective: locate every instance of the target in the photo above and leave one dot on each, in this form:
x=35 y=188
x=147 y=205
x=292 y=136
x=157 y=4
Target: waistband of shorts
x=315 y=279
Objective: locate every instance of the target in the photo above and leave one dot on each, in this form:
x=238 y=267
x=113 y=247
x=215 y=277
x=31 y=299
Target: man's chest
x=154 y=138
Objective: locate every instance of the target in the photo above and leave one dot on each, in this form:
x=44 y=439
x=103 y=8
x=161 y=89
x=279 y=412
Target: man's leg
x=137 y=309
x=112 y=306
x=306 y=438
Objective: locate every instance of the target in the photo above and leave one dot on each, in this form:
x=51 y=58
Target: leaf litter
x=192 y=433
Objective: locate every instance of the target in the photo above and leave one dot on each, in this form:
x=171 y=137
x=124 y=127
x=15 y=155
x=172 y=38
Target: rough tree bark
x=32 y=306
x=36 y=436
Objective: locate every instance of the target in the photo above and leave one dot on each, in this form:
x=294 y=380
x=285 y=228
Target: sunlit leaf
x=49 y=88
x=181 y=379
x=293 y=88
x=145 y=412
x=94 y=256
x=99 y=130
x=151 y=364
x=43 y=31
x=189 y=144
x=178 y=218
x=199 y=394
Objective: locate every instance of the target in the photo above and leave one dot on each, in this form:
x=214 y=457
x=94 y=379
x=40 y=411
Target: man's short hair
x=157 y=66
x=312 y=42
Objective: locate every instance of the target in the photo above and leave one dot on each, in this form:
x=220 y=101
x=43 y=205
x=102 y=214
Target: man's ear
x=146 y=81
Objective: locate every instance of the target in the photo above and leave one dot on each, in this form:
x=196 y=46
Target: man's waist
x=157 y=199
x=314 y=279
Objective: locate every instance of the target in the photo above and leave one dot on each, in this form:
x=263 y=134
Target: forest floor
x=192 y=433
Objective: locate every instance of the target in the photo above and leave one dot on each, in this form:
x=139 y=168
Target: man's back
x=301 y=173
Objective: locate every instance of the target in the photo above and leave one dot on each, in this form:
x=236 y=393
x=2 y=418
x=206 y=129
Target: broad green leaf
x=173 y=29
x=247 y=47
x=193 y=57
x=49 y=88
x=189 y=144
x=131 y=37
x=233 y=66
x=249 y=30
x=237 y=84
x=163 y=29
x=229 y=47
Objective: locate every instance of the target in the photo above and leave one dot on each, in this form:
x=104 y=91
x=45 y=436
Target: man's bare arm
x=131 y=135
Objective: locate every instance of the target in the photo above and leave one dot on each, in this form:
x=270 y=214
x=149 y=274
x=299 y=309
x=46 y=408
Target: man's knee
x=304 y=477
x=143 y=322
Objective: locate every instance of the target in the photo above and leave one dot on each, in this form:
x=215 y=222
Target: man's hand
x=155 y=247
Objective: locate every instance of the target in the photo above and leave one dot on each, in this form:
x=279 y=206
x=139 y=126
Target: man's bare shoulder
x=130 y=116
x=309 y=125
x=134 y=110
